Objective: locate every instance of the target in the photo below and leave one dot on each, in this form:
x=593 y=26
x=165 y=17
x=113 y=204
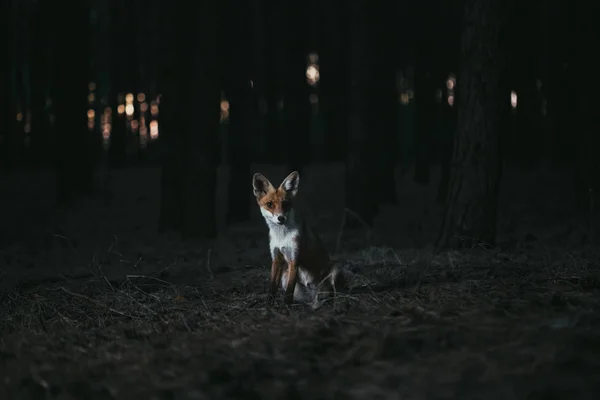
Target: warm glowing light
x=451 y=82
x=224 y=105
x=404 y=98
x=313 y=98
x=224 y=110
x=91 y=98
x=91 y=114
x=312 y=74
x=451 y=100
x=106 y=120
x=19 y=116
x=134 y=125
x=129 y=109
x=121 y=109
x=129 y=98
x=144 y=107
x=513 y=99
x=154 y=108
x=153 y=129
x=92 y=86
x=141 y=97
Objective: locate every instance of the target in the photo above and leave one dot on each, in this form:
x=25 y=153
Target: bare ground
x=95 y=306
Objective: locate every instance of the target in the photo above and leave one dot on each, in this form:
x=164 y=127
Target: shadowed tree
x=6 y=100
x=74 y=166
x=244 y=115
x=586 y=126
x=470 y=215
x=297 y=109
x=190 y=119
x=361 y=161
x=40 y=70
x=333 y=77
x=117 y=150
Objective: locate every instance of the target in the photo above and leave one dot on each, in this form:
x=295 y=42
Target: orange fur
x=293 y=243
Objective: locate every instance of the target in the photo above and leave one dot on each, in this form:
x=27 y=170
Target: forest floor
x=95 y=305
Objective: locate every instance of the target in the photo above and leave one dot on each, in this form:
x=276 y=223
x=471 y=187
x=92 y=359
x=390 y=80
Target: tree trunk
x=244 y=113
x=190 y=121
x=471 y=207
x=73 y=140
x=587 y=165
x=117 y=149
x=6 y=100
x=297 y=109
x=334 y=75
x=361 y=162
x=40 y=133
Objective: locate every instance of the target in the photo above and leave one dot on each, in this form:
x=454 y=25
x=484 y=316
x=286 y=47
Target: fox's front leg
x=276 y=273
x=291 y=282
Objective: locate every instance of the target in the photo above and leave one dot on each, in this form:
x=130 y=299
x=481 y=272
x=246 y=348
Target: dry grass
x=414 y=325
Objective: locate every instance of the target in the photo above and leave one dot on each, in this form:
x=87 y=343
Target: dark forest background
x=466 y=86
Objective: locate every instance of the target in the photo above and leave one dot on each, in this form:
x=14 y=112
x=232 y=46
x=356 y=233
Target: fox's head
x=276 y=204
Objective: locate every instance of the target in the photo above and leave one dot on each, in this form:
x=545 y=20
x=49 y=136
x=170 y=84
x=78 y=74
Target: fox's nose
x=281 y=219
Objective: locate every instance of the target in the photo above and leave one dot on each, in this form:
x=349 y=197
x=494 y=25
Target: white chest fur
x=284 y=239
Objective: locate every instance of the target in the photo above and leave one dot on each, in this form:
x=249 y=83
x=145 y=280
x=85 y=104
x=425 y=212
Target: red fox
x=293 y=242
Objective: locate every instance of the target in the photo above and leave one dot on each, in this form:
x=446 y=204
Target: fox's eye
x=269 y=204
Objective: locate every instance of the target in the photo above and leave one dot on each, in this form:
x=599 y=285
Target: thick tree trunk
x=41 y=127
x=586 y=132
x=361 y=160
x=297 y=109
x=383 y=100
x=74 y=165
x=117 y=149
x=190 y=120
x=470 y=215
x=6 y=100
x=334 y=69
x=244 y=113
x=425 y=103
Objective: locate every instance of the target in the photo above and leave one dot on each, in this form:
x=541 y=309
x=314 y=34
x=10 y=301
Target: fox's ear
x=290 y=184
x=261 y=185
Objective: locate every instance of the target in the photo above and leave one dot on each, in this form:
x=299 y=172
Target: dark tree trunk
x=74 y=165
x=297 y=109
x=333 y=67
x=274 y=36
x=383 y=100
x=425 y=109
x=191 y=88
x=117 y=149
x=6 y=100
x=587 y=166
x=361 y=159
x=470 y=215
x=244 y=113
x=40 y=132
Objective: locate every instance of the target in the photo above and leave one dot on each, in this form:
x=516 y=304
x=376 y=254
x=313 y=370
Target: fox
x=294 y=243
